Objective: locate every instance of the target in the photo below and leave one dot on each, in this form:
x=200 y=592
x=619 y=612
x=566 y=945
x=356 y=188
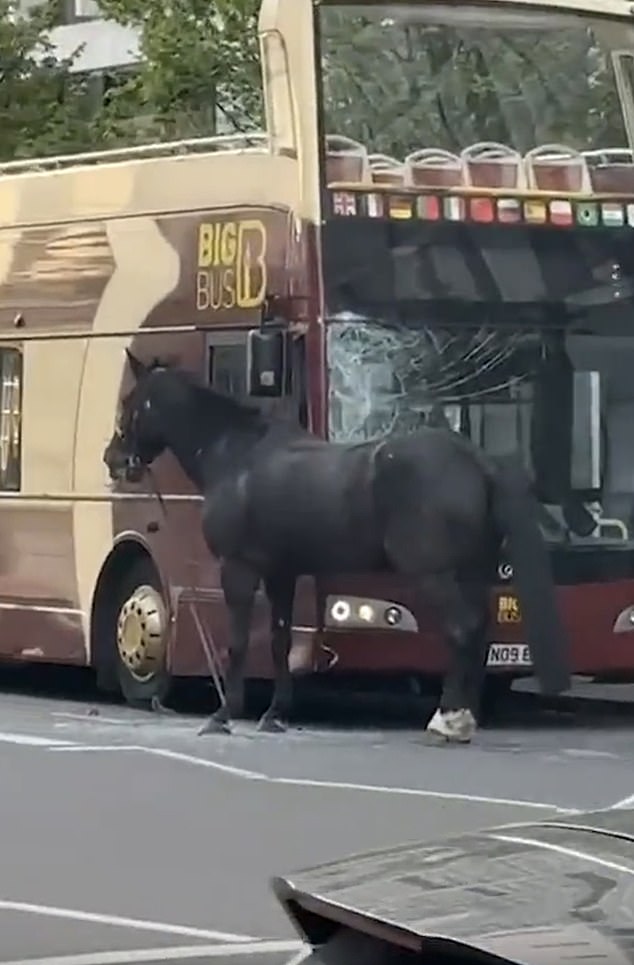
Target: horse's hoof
x=451 y=727
x=272 y=725
x=213 y=726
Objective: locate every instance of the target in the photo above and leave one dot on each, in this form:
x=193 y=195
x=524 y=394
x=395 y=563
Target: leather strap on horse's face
x=156 y=490
x=132 y=460
x=133 y=463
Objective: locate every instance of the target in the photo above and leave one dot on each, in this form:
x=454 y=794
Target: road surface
x=127 y=833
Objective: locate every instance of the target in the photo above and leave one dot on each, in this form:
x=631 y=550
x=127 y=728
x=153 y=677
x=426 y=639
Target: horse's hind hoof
x=451 y=727
x=213 y=726
x=272 y=725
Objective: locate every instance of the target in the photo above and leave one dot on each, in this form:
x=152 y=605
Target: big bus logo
x=508 y=610
x=231 y=265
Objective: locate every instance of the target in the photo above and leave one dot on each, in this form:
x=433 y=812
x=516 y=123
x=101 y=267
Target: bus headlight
x=340 y=611
x=366 y=613
x=354 y=612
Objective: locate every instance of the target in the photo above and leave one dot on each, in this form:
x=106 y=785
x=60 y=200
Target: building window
x=78 y=10
x=10 y=418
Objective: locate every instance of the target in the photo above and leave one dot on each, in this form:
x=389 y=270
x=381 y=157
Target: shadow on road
x=355 y=704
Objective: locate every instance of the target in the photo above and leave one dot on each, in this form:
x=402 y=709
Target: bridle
x=133 y=463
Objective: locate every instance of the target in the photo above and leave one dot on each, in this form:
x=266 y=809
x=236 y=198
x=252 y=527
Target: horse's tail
x=515 y=511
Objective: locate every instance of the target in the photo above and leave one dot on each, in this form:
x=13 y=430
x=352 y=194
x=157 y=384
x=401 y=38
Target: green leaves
x=200 y=68
x=391 y=84
x=43 y=108
x=200 y=73
x=401 y=83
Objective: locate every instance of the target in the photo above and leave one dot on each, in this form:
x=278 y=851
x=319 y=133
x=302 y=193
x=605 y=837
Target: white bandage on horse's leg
x=453 y=725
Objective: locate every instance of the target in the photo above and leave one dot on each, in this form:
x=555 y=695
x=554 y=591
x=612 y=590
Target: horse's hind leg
x=476 y=651
x=280 y=591
x=239 y=583
x=462 y=609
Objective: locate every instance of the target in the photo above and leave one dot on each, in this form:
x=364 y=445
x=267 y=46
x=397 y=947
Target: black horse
x=280 y=503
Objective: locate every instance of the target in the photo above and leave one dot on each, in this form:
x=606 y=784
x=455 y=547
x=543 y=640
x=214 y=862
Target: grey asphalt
x=109 y=815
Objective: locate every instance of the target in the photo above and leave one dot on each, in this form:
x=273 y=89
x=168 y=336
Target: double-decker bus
x=437 y=223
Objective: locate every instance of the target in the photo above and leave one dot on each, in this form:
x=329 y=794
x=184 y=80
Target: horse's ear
x=137 y=366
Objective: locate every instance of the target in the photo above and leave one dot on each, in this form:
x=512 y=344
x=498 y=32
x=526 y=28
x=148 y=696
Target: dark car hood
x=532 y=893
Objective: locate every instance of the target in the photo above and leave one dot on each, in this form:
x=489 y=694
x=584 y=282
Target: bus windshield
x=563 y=398
x=405 y=78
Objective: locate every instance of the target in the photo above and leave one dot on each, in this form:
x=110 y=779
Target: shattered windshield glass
x=391 y=378
x=564 y=399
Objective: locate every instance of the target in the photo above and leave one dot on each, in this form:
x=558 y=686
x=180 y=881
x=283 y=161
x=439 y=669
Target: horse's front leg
x=239 y=583
x=280 y=591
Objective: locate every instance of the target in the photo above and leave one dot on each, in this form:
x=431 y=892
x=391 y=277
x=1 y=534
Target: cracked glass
x=564 y=399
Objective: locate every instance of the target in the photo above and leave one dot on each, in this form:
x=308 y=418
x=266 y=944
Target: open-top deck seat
x=433 y=167
x=386 y=170
x=611 y=170
x=609 y=155
x=489 y=164
x=346 y=160
x=557 y=168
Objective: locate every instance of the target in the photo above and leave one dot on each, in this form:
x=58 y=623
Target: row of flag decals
x=484 y=210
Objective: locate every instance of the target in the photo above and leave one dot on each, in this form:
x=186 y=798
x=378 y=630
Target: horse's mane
x=212 y=401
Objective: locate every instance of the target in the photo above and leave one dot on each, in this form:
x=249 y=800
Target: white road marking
x=569 y=852
x=310 y=782
x=240 y=772
x=171 y=953
x=204 y=762
x=59 y=746
x=91 y=748
x=589 y=752
x=304 y=952
x=627 y=802
x=418 y=792
x=31 y=740
x=170 y=755
x=50 y=911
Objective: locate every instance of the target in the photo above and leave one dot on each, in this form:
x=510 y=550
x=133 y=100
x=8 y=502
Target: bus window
x=299 y=387
x=10 y=418
x=227 y=368
x=227 y=373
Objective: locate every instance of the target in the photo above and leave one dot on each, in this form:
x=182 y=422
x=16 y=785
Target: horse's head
x=138 y=437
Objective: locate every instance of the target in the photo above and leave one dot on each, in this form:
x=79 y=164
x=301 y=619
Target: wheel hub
x=141 y=633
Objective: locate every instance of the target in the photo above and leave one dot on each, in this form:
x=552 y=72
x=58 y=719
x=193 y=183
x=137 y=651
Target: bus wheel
x=141 y=634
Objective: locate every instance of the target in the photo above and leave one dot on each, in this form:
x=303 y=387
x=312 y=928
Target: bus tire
x=139 y=633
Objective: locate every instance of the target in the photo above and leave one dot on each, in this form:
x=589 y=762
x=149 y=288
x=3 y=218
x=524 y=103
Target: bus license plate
x=509 y=655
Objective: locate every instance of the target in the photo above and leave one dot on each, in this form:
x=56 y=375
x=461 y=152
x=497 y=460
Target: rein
x=211 y=655
x=157 y=491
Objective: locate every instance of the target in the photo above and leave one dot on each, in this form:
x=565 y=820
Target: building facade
x=105 y=45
